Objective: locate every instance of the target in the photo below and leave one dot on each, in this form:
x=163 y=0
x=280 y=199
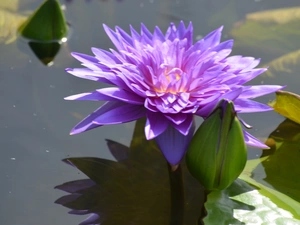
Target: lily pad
x=287 y=104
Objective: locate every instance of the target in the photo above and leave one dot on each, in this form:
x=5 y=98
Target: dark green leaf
x=47 y=23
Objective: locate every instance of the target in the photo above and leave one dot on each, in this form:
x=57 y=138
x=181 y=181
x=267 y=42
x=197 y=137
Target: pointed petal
x=105 y=56
x=185 y=126
x=89 y=96
x=243 y=105
x=213 y=38
x=119 y=94
x=113 y=37
x=259 y=90
x=254 y=142
x=75 y=186
x=155 y=125
x=87 y=123
x=173 y=144
x=120 y=113
x=207 y=109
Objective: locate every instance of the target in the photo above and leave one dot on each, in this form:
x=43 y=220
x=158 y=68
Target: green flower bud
x=217 y=153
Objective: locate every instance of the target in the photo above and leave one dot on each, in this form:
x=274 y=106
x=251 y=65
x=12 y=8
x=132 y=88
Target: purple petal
x=105 y=56
x=207 y=109
x=185 y=126
x=89 y=74
x=114 y=37
x=177 y=118
x=158 y=35
x=120 y=113
x=254 y=142
x=173 y=144
x=243 y=105
x=122 y=95
x=259 y=90
x=155 y=125
x=87 y=123
x=248 y=126
x=213 y=38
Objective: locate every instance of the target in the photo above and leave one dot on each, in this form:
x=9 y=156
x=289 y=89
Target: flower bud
x=217 y=153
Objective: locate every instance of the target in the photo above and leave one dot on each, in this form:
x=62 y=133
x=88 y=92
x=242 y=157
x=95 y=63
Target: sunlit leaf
x=286 y=64
x=9 y=23
x=287 y=15
x=248 y=205
x=11 y=5
x=271 y=33
x=287 y=104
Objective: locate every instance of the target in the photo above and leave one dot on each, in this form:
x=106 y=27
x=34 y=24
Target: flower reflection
x=130 y=191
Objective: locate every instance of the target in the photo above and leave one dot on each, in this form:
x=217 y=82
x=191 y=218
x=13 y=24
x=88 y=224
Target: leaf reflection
x=282 y=165
x=135 y=189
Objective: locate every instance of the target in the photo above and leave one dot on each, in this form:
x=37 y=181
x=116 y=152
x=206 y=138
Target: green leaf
x=47 y=23
x=287 y=104
x=284 y=65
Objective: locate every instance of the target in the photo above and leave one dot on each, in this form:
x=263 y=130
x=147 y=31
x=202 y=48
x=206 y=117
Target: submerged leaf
x=287 y=15
x=286 y=64
x=287 y=104
x=11 y=5
x=269 y=33
x=9 y=23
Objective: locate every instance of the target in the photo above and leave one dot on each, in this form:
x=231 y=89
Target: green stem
x=177 y=196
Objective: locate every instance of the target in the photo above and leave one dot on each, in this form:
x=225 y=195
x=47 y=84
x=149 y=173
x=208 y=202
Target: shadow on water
x=282 y=163
x=138 y=188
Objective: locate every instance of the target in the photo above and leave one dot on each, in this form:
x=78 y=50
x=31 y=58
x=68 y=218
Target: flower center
x=170 y=81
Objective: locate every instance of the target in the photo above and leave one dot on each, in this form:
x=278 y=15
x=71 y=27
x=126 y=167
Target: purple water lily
x=168 y=79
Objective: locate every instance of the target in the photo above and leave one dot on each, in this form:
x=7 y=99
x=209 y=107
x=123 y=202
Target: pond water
x=36 y=120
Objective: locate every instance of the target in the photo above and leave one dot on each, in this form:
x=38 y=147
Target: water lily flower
x=168 y=79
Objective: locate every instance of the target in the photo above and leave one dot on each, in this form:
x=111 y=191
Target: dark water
x=35 y=120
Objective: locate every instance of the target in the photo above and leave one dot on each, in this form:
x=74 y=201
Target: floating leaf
x=271 y=33
x=47 y=23
x=287 y=15
x=11 y=5
x=287 y=104
x=286 y=64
